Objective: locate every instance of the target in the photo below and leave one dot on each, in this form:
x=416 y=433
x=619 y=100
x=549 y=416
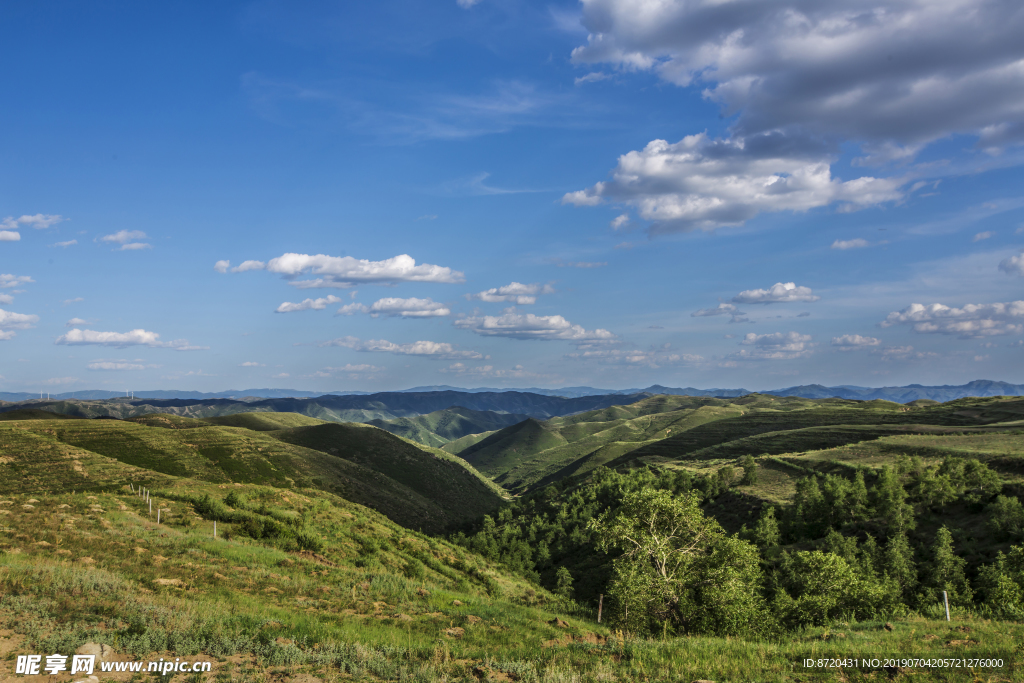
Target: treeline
x=857 y=545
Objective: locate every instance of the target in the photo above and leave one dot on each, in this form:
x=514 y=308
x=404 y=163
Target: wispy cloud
x=423 y=349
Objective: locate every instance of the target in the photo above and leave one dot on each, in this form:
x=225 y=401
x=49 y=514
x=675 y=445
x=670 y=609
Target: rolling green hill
x=352 y=461
x=443 y=426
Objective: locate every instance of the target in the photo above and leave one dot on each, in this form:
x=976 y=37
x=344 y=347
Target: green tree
x=946 y=573
x=563 y=583
x=1006 y=517
x=679 y=567
x=823 y=586
x=898 y=564
x=1002 y=584
x=749 y=470
x=891 y=501
x=766 y=532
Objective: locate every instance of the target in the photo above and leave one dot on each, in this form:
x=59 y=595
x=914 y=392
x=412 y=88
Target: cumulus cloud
x=10 y=321
x=39 y=221
x=9 y=236
x=395 y=307
x=345 y=271
x=973 y=321
x=703 y=183
x=138 y=337
x=893 y=74
x=774 y=346
x=1013 y=265
x=857 y=243
x=6 y=299
x=849 y=342
x=8 y=281
x=74 y=322
x=983 y=236
x=516 y=293
x=720 y=309
x=425 y=349
x=779 y=293
x=308 y=304
x=516 y=325
x=222 y=266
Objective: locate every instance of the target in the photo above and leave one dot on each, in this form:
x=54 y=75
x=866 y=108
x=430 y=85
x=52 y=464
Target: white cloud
x=775 y=346
x=849 y=342
x=904 y=353
x=345 y=271
x=308 y=304
x=39 y=221
x=8 y=281
x=135 y=246
x=395 y=307
x=894 y=74
x=973 y=321
x=426 y=349
x=10 y=321
x=620 y=221
x=124 y=236
x=983 y=236
x=779 y=293
x=252 y=364
x=517 y=325
x=1013 y=265
x=76 y=321
x=857 y=243
x=9 y=236
x=720 y=309
x=67 y=244
x=138 y=337
x=73 y=301
x=6 y=299
x=247 y=266
x=700 y=183
x=350 y=369
x=592 y=77
x=481 y=371
x=515 y=292
x=281 y=375
x=466 y=4
x=222 y=266
x=653 y=358
x=115 y=365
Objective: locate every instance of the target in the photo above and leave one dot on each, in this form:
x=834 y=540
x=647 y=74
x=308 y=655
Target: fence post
x=945 y=599
x=215 y=528
x=158 y=515
x=600 y=604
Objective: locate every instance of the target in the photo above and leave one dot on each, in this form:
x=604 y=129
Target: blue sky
x=373 y=196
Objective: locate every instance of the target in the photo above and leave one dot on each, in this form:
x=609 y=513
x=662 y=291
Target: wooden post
x=945 y=599
x=600 y=604
x=150 y=507
x=158 y=515
x=215 y=528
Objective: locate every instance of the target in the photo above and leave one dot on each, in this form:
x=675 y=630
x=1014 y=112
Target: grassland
x=422 y=490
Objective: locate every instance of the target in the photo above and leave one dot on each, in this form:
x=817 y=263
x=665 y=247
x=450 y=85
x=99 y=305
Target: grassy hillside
x=264 y=422
x=356 y=469
x=443 y=426
x=675 y=430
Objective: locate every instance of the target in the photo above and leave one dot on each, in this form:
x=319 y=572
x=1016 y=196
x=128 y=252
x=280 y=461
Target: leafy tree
x=946 y=573
x=891 y=501
x=563 y=583
x=679 y=567
x=898 y=564
x=749 y=470
x=1002 y=584
x=766 y=532
x=1006 y=517
x=823 y=586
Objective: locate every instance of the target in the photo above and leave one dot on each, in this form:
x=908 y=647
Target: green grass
x=443 y=426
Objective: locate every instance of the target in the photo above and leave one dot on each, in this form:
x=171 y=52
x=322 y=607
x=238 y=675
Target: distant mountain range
x=904 y=394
